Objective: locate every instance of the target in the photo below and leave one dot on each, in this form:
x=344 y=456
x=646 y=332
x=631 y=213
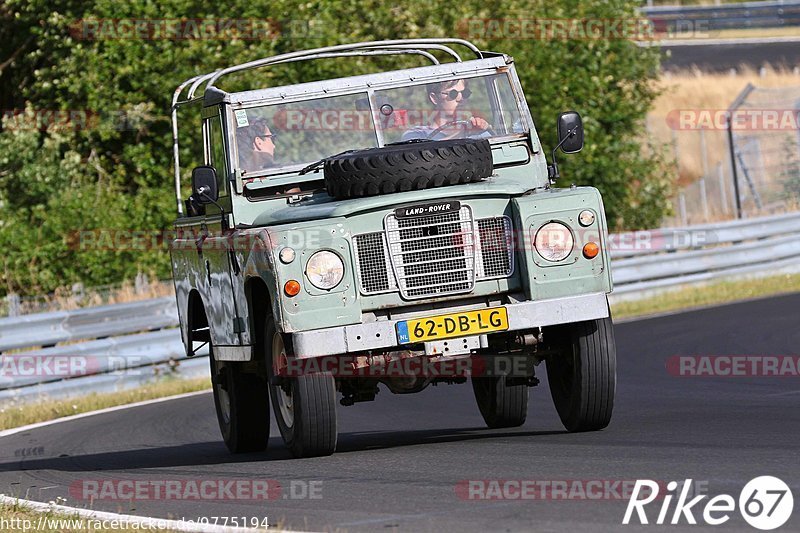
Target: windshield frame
x=369 y=85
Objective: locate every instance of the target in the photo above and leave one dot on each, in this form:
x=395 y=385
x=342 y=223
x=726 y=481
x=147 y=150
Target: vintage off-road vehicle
x=408 y=215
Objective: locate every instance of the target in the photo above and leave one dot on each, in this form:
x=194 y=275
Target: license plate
x=453 y=325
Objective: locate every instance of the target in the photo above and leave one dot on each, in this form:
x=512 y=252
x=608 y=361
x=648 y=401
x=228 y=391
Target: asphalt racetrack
x=728 y=56
x=404 y=462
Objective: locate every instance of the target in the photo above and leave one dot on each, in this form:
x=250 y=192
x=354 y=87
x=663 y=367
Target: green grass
x=712 y=294
x=12 y=415
x=19 y=517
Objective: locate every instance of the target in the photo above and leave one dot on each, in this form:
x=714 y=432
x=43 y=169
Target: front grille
x=433 y=255
x=373 y=264
x=496 y=257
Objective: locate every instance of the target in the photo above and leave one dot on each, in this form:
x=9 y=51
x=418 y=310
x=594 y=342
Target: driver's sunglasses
x=268 y=136
x=453 y=94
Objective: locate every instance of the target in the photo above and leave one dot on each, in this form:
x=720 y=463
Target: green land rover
x=399 y=228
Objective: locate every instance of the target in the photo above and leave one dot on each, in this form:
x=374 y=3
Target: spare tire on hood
x=407 y=167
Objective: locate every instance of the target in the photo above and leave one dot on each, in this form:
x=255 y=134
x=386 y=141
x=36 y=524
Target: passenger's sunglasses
x=453 y=94
x=268 y=136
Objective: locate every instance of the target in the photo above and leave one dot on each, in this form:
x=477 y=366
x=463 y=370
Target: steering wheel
x=464 y=123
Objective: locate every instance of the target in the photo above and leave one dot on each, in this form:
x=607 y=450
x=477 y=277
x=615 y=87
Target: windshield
x=480 y=107
x=299 y=133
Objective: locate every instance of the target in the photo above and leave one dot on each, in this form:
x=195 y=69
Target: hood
x=323 y=206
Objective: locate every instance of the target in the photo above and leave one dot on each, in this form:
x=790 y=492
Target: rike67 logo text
x=765 y=503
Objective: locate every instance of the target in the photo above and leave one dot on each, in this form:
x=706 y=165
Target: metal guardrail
x=773 y=14
x=115 y=353
x=664 y=258
x=48 y=329
x=666 y=240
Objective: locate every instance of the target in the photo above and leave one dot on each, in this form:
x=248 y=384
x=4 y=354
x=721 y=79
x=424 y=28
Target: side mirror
x=570 y=132
x=204 y=185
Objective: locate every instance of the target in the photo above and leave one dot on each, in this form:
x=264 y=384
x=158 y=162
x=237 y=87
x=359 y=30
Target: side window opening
x=216 y=152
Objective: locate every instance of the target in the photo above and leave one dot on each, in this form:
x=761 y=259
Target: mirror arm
x=202 y=192
x=552 y=170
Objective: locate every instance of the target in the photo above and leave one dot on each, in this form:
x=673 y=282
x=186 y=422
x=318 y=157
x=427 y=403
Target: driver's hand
x=478 y=123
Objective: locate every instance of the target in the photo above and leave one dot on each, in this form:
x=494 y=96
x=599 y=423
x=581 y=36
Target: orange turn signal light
x=292 y=288
x=590 y=250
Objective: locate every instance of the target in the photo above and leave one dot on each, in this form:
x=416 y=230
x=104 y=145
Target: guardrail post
x=141 y=283
x=704 y=152
x=723 y=197
x=704 y=198
x=682 y=209
x=77 y=294
x=732 y=145
x=13 y=304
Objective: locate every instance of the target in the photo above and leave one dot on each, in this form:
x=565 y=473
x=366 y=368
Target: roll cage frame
x=420 y=47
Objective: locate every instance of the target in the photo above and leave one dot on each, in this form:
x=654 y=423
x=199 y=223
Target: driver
x=449 y=99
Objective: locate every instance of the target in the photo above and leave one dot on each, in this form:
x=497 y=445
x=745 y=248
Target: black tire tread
x=589 y=407
x=314 y=432
x=416 y=166
x=501 y=405
x=248 y=430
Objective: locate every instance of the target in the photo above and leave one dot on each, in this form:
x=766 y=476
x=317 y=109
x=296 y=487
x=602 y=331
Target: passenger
x=257 y=151
x=449 y=99
x=256 y=146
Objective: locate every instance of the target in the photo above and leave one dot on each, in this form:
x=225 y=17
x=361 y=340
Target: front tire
x=501 y=405
x=583 y=376
x=242 y=405
x=304 y=406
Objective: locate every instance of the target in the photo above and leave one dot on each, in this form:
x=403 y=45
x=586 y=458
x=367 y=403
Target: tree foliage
x=115 y=173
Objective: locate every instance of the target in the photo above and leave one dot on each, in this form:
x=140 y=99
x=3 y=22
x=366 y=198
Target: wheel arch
x=197 y=328
x=259 y=307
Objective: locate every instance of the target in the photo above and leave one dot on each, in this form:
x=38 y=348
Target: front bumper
x=383 y=333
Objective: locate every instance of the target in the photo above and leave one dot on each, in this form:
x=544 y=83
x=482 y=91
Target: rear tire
x=583 y=377
x=304 y=406
x=242 y=405
x=501 y=405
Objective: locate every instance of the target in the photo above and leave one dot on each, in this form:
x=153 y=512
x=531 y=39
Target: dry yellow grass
x=12 y=415
x=697 y=90
x=63 y=299
x=712 y=294
x=737 y=33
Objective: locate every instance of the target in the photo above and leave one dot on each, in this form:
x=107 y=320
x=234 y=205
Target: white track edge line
x=151 y=523
x=12 y=431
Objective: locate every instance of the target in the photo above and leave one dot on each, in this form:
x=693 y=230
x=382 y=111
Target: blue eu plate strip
x=402 y=332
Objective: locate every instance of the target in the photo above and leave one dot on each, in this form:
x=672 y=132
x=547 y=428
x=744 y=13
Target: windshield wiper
x=316 y=165
x=408 y=141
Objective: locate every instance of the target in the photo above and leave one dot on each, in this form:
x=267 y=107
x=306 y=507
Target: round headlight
x=325 y=270
x=554 y=241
